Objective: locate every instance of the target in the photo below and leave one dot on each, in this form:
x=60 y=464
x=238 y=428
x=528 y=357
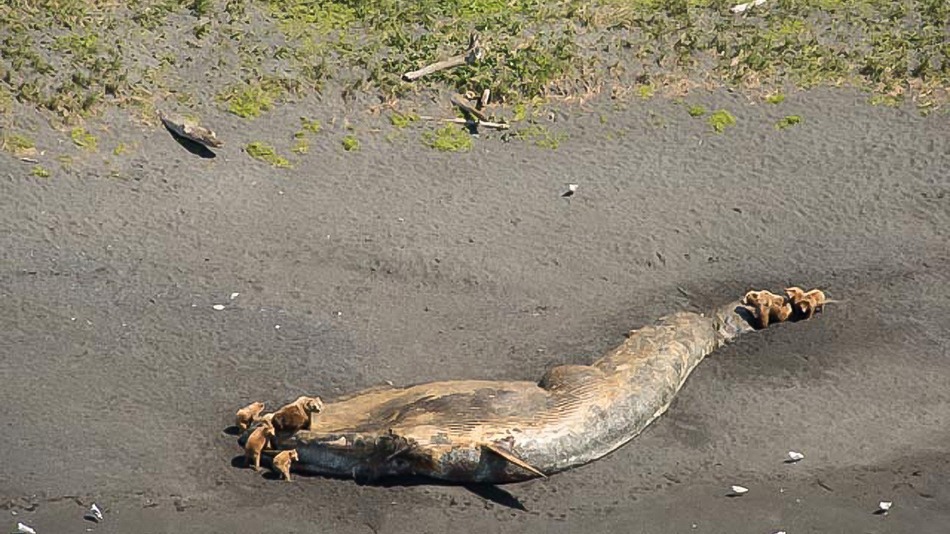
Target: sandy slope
x=399 y=263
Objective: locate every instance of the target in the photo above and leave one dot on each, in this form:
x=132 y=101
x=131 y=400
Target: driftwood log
x=470 y=57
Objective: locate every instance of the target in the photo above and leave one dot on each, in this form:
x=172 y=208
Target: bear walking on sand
x=256 y=443
x=249 y=414
x=283 y=461
x=296 y=415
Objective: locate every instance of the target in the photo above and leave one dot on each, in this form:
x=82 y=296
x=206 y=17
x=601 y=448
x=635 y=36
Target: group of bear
x=797 y=304
x=289 y=419
x=768 y=307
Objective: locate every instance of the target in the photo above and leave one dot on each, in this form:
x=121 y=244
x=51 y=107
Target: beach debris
x=24 y=529
x=883 y=507
x=276 y=327
x=472 y=54
x=795 y=457
x=485 y=98
x=741 y=8
x=233 y=296
x=218 y=307
x=94 y=514
x=571 y=189
x=468 y=122
x=738 y=490
x=190 y=129
x=459 y=101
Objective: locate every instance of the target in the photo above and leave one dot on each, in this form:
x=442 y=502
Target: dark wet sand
x=403 y=264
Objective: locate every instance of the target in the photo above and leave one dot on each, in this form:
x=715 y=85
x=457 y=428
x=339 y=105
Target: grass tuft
x=721 y=119
x=696 y=111
x=84 y=139
x=40 y=172
x=448 y=138
x=787 y=121
x=350 y=143
x=267 y=154
x=541 y=136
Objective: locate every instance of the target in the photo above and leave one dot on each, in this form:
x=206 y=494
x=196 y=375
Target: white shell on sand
x=234 y=296
x=24 y=529
x=740 y=490
x=218 y=307
x=884 y=505
x=795 y=456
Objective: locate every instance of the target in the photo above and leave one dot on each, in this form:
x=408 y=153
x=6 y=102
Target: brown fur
x=249 y=414
x=283 y=461
x=296 y=415
x=256 y=443
x=806 y=304
x=768 y=307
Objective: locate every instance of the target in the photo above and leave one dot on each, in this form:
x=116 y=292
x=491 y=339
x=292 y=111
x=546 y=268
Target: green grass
x=72 y=59
x=787 y=121
x=775 y=98
x=402 y=120
x=267 y=154
x=541 y=136
x=301 y=145
x=40 y=172
x=310 y=125
x=83 y=139
x=448 y=138
x=17 y=144
x=249 y=102
x=721 y=119
x=120 y=149
x=696 y=111
x=350 y=143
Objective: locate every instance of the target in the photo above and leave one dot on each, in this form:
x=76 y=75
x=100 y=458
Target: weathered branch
x=476 y=123
x=459 y=100
x=473 y=54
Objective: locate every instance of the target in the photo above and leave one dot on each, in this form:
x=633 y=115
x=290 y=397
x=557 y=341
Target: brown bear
x=768 y=307
x=256 y=443
x=806 y=304
x=249 y=414
x=283 y=461
x=296 y=415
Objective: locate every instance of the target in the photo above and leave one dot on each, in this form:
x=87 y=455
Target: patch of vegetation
x=541 y=136
x=84 y=139
x=267 y=154
x=70 y=57
x=402 y=120
x=775 y=98
x=787 y=121
x=119 y=149
x=310 y=125
x=40 y=172
x=448 y=138
x=251 y=100
x=301 y=145
x=696 y=111
x=350 y=143
x=721 y=119
x=200 y=8
x=18 y=145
